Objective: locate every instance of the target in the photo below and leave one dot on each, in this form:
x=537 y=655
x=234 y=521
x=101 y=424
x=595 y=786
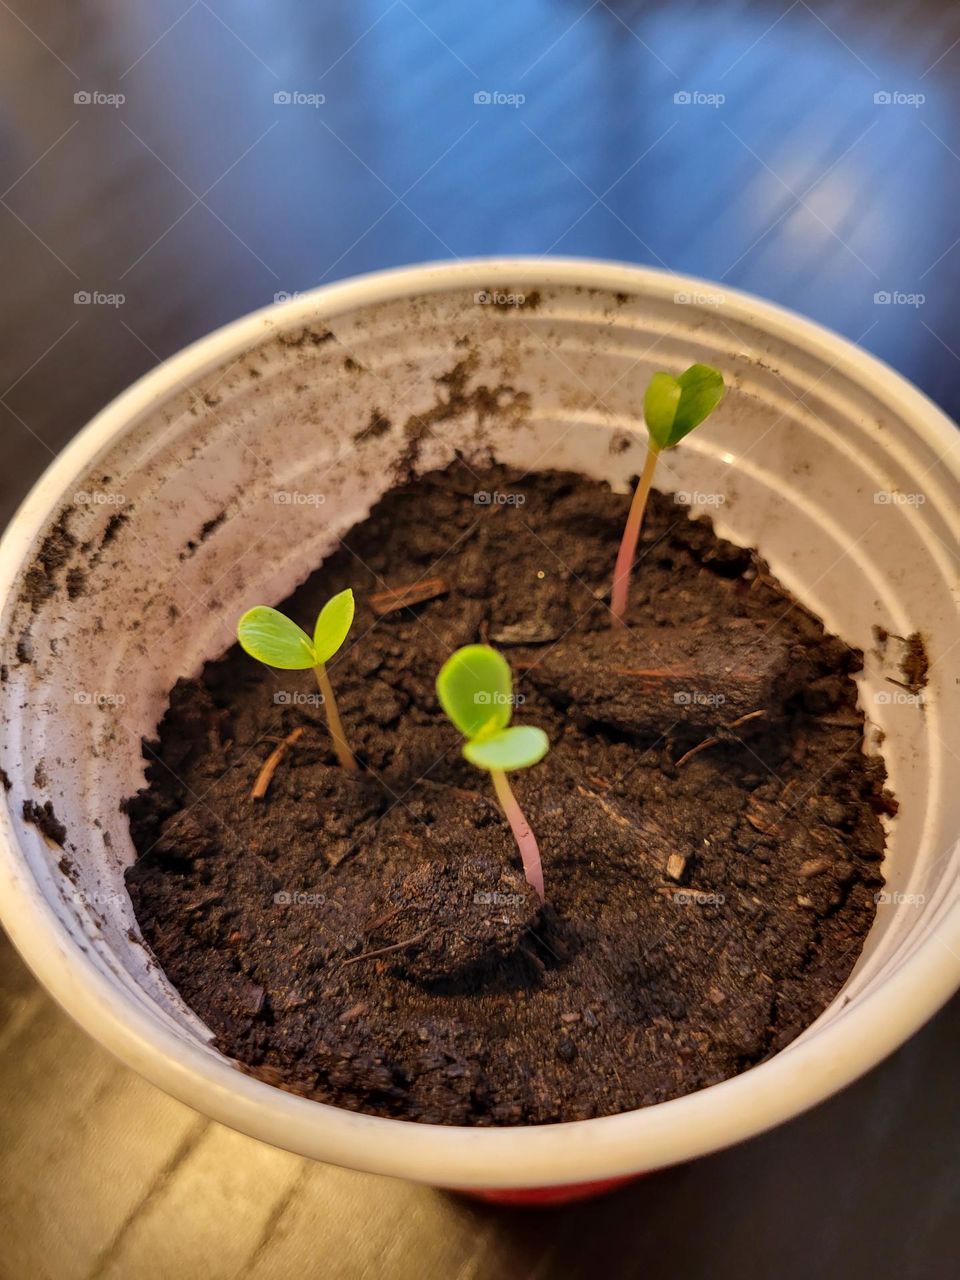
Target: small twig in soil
x=613 y=814
x=751 y=715
x=701 y=746
x=712 y=742
x=383 y=919
x=269 y=768
x=758 y=824
x=383 y=951
x=395 y=598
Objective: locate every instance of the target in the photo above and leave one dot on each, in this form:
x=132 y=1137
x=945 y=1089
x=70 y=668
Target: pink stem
x=631 y=535
x=526 y=840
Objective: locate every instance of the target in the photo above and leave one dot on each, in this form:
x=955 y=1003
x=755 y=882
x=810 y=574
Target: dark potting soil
x=45 y=820
x=708 y=821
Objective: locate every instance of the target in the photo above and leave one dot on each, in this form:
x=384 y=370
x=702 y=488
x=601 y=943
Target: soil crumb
x=45 y=820
x=42 y=577
x=914 y=664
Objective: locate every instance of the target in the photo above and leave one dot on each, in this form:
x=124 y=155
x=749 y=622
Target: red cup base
x=544 y=1195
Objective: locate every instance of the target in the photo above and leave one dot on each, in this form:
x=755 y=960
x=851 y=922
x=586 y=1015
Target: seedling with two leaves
x=672 y=407
x=276 y=641
x=475 y=688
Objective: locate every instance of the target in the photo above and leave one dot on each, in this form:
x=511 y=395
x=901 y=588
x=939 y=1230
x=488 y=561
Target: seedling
x=475 y=688
x=273 y=639
x=672 y=407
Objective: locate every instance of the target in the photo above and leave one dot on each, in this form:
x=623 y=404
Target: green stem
x=334 y=723
x=631 y=536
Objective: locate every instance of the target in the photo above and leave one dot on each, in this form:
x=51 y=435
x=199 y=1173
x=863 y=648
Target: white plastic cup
x=223 y=477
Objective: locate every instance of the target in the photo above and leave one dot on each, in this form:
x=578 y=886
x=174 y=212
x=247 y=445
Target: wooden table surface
x=808 y=152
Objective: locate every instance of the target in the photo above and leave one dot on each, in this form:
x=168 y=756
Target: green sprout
x=475 y=688
x=672 y=408
x=273 y=639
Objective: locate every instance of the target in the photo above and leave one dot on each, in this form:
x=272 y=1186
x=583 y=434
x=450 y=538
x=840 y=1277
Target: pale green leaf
x=672 y=406
x=334 y=622
x=475 y=689
x=514 y=748
x=272 y=638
